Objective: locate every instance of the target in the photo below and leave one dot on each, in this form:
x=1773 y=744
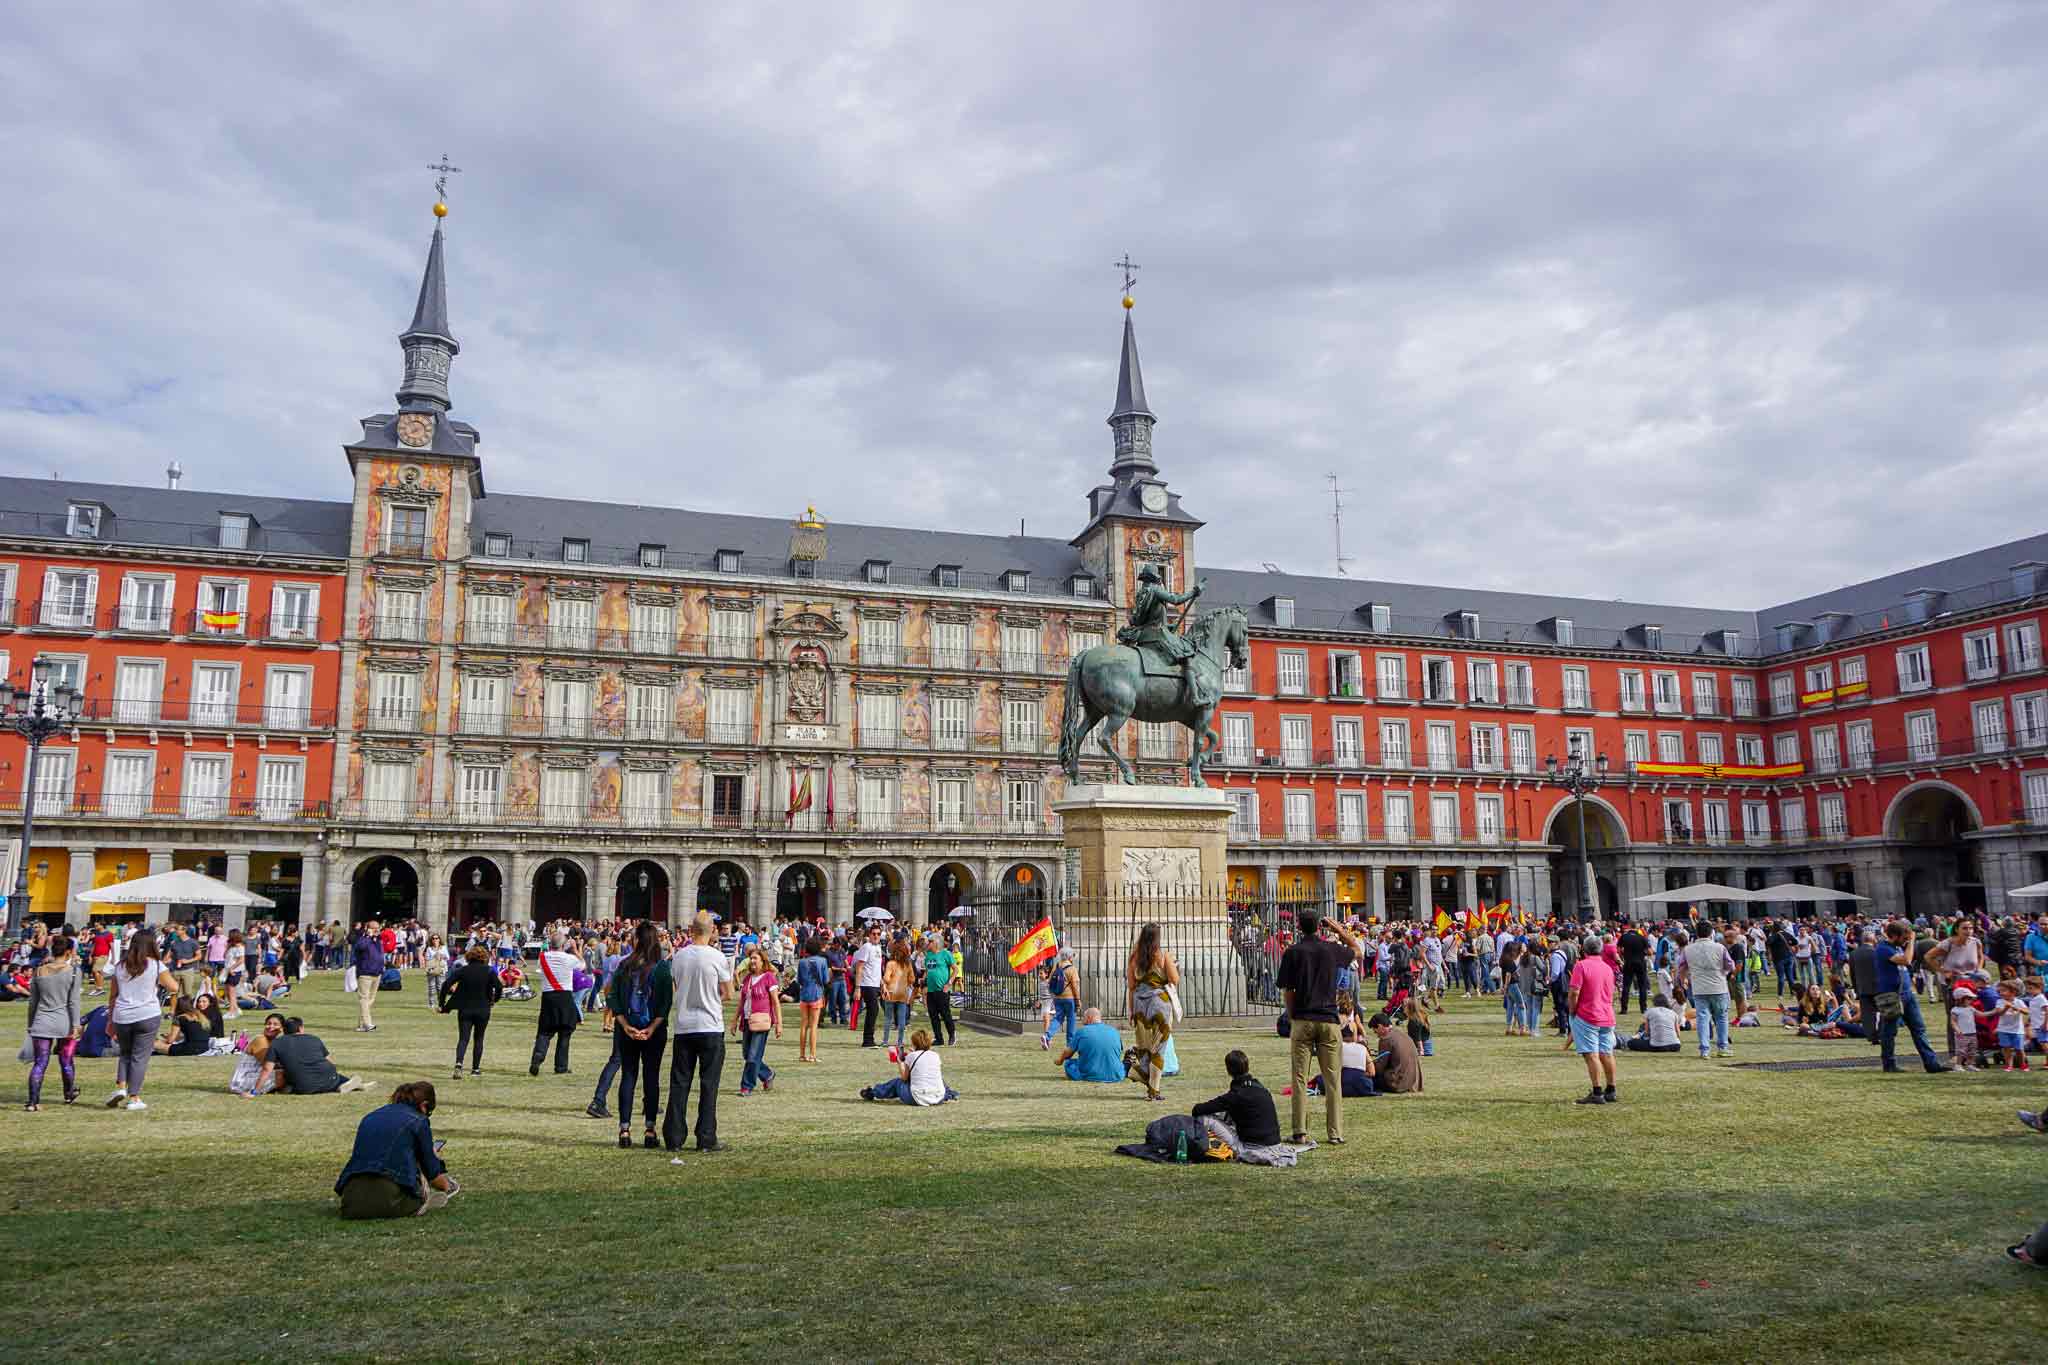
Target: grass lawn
x=1715 y=1214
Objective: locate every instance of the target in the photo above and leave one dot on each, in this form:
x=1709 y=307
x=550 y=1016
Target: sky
x=1718 y=305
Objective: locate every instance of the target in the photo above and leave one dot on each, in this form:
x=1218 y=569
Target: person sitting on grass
x=1247 y=1105
x=1397 y=1069
x=1097 y=1052
x=1659 y=1031
x=298 y=1064
x=919 y=1079
x=194 y=1035
x=1355 y=1066
x=395 y=1170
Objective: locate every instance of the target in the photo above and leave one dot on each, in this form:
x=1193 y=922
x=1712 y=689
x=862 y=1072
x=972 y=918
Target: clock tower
x=1135 y=519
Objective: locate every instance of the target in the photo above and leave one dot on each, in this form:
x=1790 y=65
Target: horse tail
x=1074 y=719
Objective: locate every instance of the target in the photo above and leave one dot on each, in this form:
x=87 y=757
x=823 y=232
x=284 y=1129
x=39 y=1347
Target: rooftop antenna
x=172 y=473
x=1337 y=524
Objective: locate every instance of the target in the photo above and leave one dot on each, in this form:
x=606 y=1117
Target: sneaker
x=134 y=1105
x=533 y=1070
x=117 y=1099
x=651 y=1143
x=1593 y=1097
x=768 y=1083
x=1724 y=1052
x=712 y=1147
x=1608 y=1094
x=1045 y=1043
x=597 y=1111
x=2007 y=1068
x=867 y=1092
x=458 y=1074
x=2033 y=1120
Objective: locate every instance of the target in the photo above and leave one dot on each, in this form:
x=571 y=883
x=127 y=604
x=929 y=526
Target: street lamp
x=35 y=712
x=1578 y=778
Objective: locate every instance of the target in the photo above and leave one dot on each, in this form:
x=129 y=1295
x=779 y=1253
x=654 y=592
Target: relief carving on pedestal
x=1162 y=868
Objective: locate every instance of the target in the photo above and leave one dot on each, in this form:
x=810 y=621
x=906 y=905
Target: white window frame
x=1834 y=816
x=1792 y=819
x=1518 y=683
x=1756 y=822
x=1980 y=655
x=1347 y=742
x=1665 y=693
x=1442 y=830
x=952 y=722
x=281 y=625
x=1522 y=748
x=271 y=804
x=1671 y=746
x=158 y=622
x=1711 y=747
x=1400 y=754
x=1785 y=747
x=1578 y=688
x=879 y=646
x=1298 y=815
x=1927 y=748
x=1397 y=816
x=394 y=700
x=1290 y=672
x=1987 y=725
x=401 y=613
x=1237 y=738
x=1630 y=695
x=1742 y=696
x=651 y=628
x=214 y=805
x=1297 y=741
x=1352 y=825
x=1826 y=748
x=1915 y=673
x=1023 y=724
x=1390 y=677
x=487 y=618
x=572 y=622
x=482 y=703
x=1489 y=820
x=215 y=711
x=119 y=803
x=1706 y=694
x=1857 y=756
x=1486 y=748
x=1784 y=694
x=2022 y=646
x=1635 y=746
x=1021 y=803
x=283 y=715
x=1440 y=742
x=1447 y=669
x=1482 y=681
x=2030 y=720
x=1749 y=750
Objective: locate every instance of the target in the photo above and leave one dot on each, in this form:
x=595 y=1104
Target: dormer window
x=1653 y=637
x=1731 y=643
x=1789 y=633
x=1017 y=580
x=1283 y=611
x=728 y=561
x=948 y=575
x=803 y=568
x=1381 y=617
x=497 y=545
x=234 y=530
x=84 y=520
x=1561 y=629
x=1084 y=586
x=1468 y=625
x=875 y=571
x=575 y=551
x=651 y=556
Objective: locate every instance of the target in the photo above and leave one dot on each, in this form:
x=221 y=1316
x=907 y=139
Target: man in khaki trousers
x=1308 y=978
x=369 y=964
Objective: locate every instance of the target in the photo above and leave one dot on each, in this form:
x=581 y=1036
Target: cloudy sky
x=1709 y=304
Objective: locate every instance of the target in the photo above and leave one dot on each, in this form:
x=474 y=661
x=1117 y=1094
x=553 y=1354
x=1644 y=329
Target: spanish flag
x=221 y=620
x=1443 y=921
x=799 y=796
x=1035 y=947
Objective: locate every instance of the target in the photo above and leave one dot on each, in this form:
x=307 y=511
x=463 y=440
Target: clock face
x=415 y=428
x=1154 y=498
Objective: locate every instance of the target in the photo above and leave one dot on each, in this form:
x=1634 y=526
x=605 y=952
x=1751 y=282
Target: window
x=1393 y=677
x=2037 y=798
x=732 y=633
x=406 y=532
x=1914 y=674
x=1345 y=678
x=1677 y=820
x=1237 y=739
x=1017 y=580
x=1347 y=742
x=1783 y=702
x=294 y=609
x=1244 y=814
x=572 y=623
x=497 y=545
x=279 y=785
x=1443 y=817
x=1084 y=586
x=83 y=520
x=950 y=803
x=1293 y=673
x=652 y=628
x=1756 y=822
x=1706 y=699
x=2023 y=647
x=1792 y=819
x=1749 y=750
x=1785 y=748
x=1668 y=700
x=1987 y=722
x=575 y=551
x=213 y=694
x=234 y=531
x=878 y=720
x=728 y=800
x=1653 y=637
x=126 y=793
x=1578 y=696
x=1521 y=749
x=1400 y=817
x=1081 y=641
x=1394 y=743
x=949 y=722
x=1438 y=683
x=1710 y=749
x=1020 y=802
x=877 y=801
x=647 y=711
x=949 y=575
x=1860 y=744
x=728 y=561
x=1834 y=817
x=68 y=597
x=387 y=789
x=1826 y=753
x=568 y=708
x=1486 y=822
x=483 y=707
x=562 y=796
x=206 y=787
x=1481 y=675
x=1820 y=677
x=1283 y=611
x=54 y=769
x=1852 y=673
x=644 y=799
x=1635 y=746
x=2030 y=720
x=1742 y=696
x=1468 y=625
x=1351 y=817
x=1294 y=741
x=1980 y=654
x=1561 y=630
x=490 y=619
x=398 y=614
x=394 y=700
x=1382 y=617
x=1521 y=685
x=1237 y=680
x=729 y=715
x=145 y=603
x=1486 y=748
x=287 y=699
x=651 y=556
x=1020 y=649
x=1922 y=741
x=1442 y=741
x=878 y=635
x=1299 y=811
x=949 y=644
x=1632 y=690
x=138 y=691
x=1021 y=724
x=1670 y=747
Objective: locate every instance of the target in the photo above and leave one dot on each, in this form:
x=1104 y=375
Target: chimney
x=173 y=473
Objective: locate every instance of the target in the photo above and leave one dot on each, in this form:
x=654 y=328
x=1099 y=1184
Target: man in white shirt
x=867 y=966
x=558 y=1017
x=1706 y=965
x=703 y=983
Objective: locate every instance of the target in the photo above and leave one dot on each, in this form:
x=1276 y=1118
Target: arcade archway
x=558 y=891
x=385 y=889
x=476 y=893
x=800 y=892
x=879 y=886
x=722 y=889
x=1605 y=837
x=1933 y=822
x=641 y=891
x=950 y=887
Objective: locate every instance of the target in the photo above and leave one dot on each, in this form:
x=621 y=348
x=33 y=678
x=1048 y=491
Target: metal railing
x=99 y=805
x=585 y=814
x=126 y=530
x=203 y=713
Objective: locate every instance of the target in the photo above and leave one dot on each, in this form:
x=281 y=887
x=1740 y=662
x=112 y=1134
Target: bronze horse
x=1109 y=683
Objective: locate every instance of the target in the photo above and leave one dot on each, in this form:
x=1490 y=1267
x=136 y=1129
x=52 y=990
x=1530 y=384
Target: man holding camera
x=1308 y=978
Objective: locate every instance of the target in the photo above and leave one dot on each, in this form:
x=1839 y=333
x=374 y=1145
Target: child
x=2037 y=1014
x=1418 y=1026
x=1963 y=1018
x=2012 y=1025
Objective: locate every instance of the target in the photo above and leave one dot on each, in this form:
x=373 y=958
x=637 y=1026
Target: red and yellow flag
x=799 y=796
x=221 y=620
x=1443 y=921
x=1732 y=771
x=1035 y=947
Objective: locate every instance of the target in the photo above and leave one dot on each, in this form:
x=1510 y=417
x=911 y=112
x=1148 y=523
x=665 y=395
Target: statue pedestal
x=1139 y=855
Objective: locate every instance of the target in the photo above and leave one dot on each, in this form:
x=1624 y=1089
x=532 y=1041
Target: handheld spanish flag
x=1443 y=921
x=221 y=620
x=1035 y=947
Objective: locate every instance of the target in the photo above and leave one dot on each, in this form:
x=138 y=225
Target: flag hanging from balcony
x=828 y=798
x=221 y=620
x=1035 y=947
x=1737 y=771
x=799 y=795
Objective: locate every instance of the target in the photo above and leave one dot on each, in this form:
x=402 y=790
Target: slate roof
x=182 y=518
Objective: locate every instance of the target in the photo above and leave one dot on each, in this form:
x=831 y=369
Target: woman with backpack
x=636 y=1009
x=470 y=990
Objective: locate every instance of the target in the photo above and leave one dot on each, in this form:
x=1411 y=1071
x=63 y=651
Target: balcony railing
x=204 y=713
x=397 y=627
x=1371 y=829
x=152 y=806
x=583 y=814
x=62 y=613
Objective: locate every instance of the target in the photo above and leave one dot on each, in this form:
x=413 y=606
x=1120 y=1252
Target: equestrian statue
x=1157 y=671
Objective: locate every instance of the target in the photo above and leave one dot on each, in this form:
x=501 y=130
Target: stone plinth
x=1144 y=840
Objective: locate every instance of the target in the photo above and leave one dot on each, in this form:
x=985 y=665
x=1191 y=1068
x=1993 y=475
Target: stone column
x=761 y=890
x=1468 y=888
x=84 y=861
x=336 y=909
x=1542 y=908
x=157 y=912
x=601 y=896
x=312 y=883
x=1269 y=883
x=1376 y=892
x=682 y=890
x=917 y=891
x=1328 y=872
x=840 y=893
x=237 y=916
x=433 y=898
x=515 y=900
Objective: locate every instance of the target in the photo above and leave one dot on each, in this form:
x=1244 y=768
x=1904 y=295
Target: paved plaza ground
x=1717 y=1213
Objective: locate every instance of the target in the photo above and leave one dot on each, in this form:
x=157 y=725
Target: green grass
x=1716 y=1214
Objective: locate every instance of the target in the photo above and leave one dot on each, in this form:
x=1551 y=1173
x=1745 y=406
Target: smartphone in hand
x=439 y=1144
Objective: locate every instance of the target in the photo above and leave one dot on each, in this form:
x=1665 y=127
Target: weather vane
x=1127 y=265
x=441 y=180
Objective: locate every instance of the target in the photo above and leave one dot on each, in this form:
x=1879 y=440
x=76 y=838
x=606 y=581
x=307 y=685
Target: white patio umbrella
x=1698 y=891
x=181 y=886
x=2037 y=889
x=874 y=912
x=1793 y=891
x=961 y=912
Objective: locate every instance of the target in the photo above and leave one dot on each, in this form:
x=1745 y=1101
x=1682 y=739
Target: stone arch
x=1892 y=813
x=384 y=887
x=941 y=897
x=630 y=900
x=559 y=889
x=731 y=901
x=888 y=896
x=1561 y=825
x=476 y=890
x=807 y=901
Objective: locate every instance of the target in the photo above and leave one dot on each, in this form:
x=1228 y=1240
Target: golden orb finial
x=440 y=209
x=1130 y=302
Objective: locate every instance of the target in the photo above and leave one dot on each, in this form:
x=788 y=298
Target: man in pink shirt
x=1590 y=1005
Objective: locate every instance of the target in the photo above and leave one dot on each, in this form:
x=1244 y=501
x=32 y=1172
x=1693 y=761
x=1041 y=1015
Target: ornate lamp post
x=35 y=712
x=1579 y=778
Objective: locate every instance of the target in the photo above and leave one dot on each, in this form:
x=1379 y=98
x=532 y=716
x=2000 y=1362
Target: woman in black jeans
x=637 y=1004
x=471 y=990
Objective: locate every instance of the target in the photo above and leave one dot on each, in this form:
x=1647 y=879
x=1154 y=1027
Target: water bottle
x=1180 y=1149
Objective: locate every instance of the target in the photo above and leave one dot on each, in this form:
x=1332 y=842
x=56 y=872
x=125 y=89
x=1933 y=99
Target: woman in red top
x=760 y=1013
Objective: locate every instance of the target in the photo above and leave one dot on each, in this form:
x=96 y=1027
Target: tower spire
x=427 y=343
x=1130 y=421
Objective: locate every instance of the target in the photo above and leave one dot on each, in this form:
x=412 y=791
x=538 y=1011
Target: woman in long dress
x=1148 y=973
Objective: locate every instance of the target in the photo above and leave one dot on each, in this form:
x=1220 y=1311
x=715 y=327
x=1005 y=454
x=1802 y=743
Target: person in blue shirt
x=1097 y=1052
x=395 y=1170
x=1894 y=963
x=2035 y=949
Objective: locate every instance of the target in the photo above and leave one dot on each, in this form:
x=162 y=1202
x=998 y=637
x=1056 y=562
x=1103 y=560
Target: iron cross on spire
x=441 y=180
x=1127 y=265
